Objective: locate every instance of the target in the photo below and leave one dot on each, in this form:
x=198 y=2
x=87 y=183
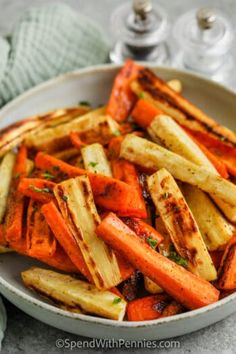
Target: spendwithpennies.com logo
x=115 y=344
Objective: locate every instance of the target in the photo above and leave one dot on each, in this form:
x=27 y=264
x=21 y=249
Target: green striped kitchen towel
x=46 y=42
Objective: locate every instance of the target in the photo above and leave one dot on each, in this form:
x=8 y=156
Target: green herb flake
x=65 y=198
x=141 y=95
x=56 y=168
x=175 y=257
x=39 y=190
x=117 y=300
x=17 y=175
x=152 y=242
x=93 y=164
x=48 y=175
x=165 y=195
x=222 y=138
x=84 y=103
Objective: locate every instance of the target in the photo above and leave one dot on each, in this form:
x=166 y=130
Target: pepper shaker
x=204 y=37
x=140 y=30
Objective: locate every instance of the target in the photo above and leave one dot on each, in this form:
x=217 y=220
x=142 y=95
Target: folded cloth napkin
x=46 y=42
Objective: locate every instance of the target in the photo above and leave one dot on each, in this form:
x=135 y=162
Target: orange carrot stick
x=144 y=112
x=147 y=308
x=227 y=271
x=145 y=231
x=40 y=241
x=216 y=257
x=15 y=205
x=76 y=141
x=126 y=172
x=187 y=288
x=114 y=147
x=122 y=98
x=172 y=309
x=65 y=238
x=223 y=151
x=37 y=189
x=109 y=193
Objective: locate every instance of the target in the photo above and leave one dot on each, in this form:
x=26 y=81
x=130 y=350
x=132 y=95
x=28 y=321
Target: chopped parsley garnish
x=93 y=164
x=152 y=242
x=141 y=95
x=48 y=175
x=84 y=103
x=165 y=195
x=65 y=198
x=56 y=168
x=17 y=175
x=175 y=257
x=116 y=300
x=40 y=190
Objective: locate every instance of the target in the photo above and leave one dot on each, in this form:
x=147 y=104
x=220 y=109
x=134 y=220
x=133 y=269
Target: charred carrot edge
x=76 y=141
x=216 y=257
x=117 y=292
x=172 y=309
x=64 y=237
x=227 y=271
x=14 y=214
x=126 y=269
x=37 y=189
x=40 y=241
x=59 y=261
x=187 y=288
x=126 y=172
x=147 y=308
x=114 y=147
x=122 y=98
x=145 y=231
x=216 y=162
x=109 y=193
x=144 y=112
x=223 y=152
x=3 y=241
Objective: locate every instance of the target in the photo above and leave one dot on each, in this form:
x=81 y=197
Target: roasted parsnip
x=215 y=230
x=16 y=133
x=172 y=136
x=73 y=294
x=180 y=224
x=93 y=126
x=175 y=85
x=6 y=169
x=150 y=155
x=75 y=200
x=95 y=159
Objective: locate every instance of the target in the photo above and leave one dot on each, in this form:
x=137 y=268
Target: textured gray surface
x=27 y=335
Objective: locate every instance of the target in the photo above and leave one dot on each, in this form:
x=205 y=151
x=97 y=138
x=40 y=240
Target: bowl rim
x=89 y=318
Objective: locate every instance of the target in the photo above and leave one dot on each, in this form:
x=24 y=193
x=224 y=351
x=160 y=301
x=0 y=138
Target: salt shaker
x=140 y=30
x=204 y=38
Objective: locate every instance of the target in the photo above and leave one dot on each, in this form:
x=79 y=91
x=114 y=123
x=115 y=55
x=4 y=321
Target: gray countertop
x=27 y=335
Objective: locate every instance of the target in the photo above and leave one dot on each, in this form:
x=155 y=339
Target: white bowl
x=94 y=85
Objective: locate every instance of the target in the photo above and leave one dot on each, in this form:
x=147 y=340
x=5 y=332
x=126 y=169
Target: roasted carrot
x=3 y=241
x=37 y=189
x=114 y=147
x=216 y=162
x=127 y=172
x=65 y=237
x=227 y=271
x=224 y=152
x=187 y=288
x=126 y=269
x=145 y=231
x=15 y=206
x=40 y=241
x=60 y=261
x=216 y=257
x=109 y=193
x=172 y=309
x=117 y=292
x=144 y=112
x=147 y=308
x=76 y=141
x=122 y=98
